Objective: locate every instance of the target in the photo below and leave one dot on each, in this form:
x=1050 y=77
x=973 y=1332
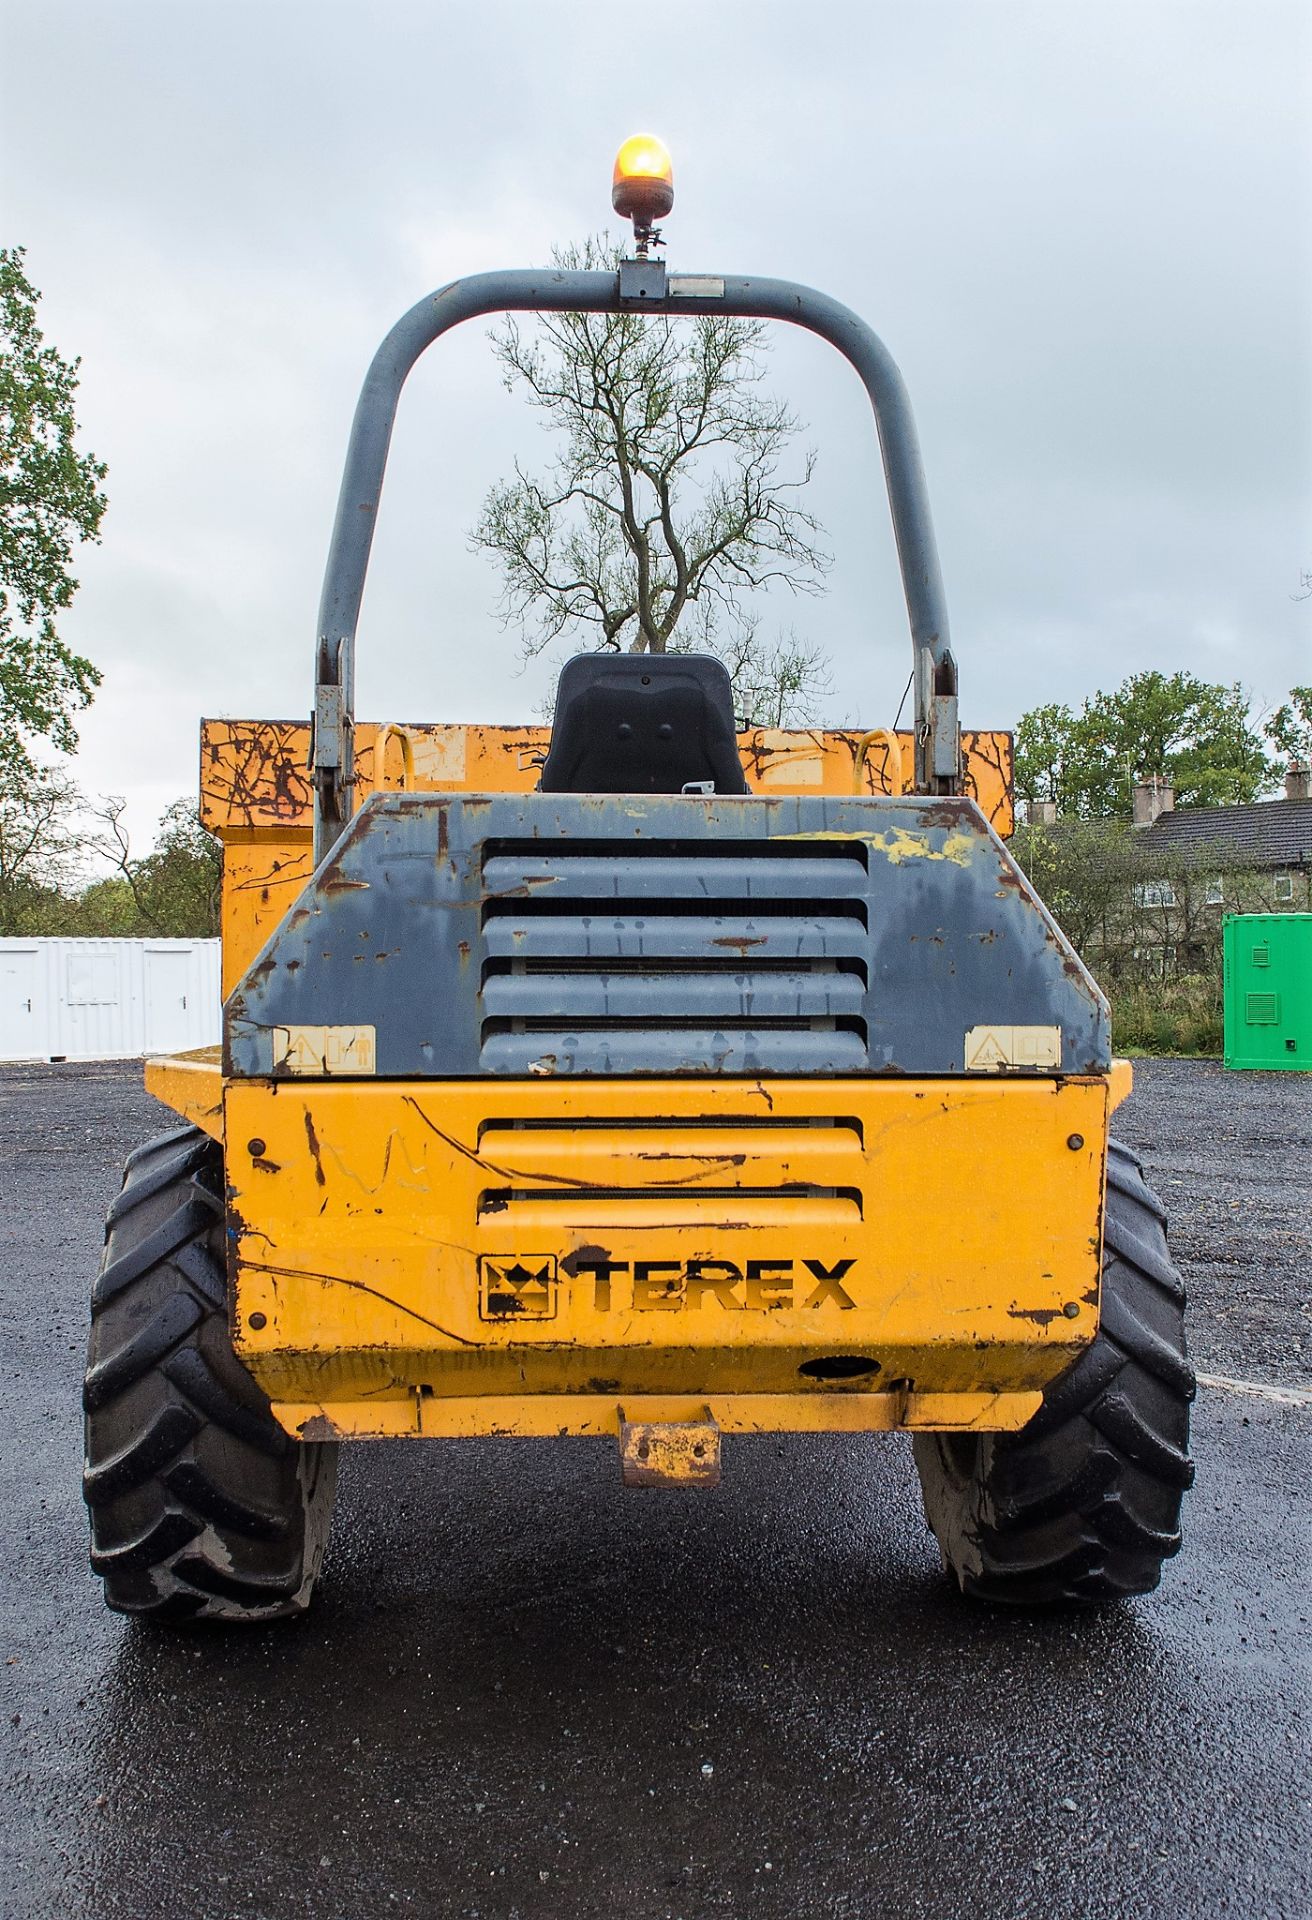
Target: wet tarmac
x=525 y=1692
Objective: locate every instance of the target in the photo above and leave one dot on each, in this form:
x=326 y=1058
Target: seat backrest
x=643 y=723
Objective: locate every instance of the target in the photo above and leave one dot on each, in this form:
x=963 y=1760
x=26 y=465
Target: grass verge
x=1182 y=1017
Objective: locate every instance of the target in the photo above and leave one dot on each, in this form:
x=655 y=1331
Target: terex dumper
x=642 y=1078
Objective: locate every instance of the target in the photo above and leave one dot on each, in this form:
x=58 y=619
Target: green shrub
x=1180 y=1016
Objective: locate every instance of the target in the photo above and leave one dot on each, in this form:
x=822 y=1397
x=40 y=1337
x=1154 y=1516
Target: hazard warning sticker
x=323 y=1051
x=994 y=1049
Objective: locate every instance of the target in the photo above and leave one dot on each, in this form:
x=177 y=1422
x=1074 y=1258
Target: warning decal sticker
x=993 y=1049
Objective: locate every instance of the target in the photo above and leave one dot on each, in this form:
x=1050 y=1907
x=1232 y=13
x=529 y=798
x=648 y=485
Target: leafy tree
x=1198 y=737
x=1048 y=755
x=50 y=500
x=105 y=911
x=1083 y=872
x=1289 y=728
x=666 y=509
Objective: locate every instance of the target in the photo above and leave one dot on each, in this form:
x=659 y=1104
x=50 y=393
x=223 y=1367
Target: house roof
x=1270 y=833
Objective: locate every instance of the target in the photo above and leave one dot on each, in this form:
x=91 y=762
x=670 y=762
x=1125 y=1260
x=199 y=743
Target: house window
x=1215 y=895
x=1154 y=893
x=1282 y=887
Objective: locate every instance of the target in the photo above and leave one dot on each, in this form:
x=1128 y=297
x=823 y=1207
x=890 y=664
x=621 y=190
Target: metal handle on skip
x=386 y=735
x=885 y=737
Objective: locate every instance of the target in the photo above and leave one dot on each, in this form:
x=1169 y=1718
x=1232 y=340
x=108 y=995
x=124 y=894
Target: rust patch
x=709 y=1161
x=318 y=1427
x=321 y=1179
x=253 y=773
x=1041 y=1316
x=571 y=1262
x=670 y=1453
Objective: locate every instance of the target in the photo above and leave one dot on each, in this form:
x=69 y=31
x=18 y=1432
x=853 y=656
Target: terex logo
x=526 y=1286
x=756 y=1286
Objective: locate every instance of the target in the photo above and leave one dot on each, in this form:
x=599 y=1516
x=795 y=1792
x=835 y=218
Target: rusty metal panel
x=614 y=935
x=263 y=876
x=576 y=1237
x=255 y=778
x=402 y=1413
x=254 y=774
x=818 y=991
x=709 y=1047
x=562 y=875
x=453 y=929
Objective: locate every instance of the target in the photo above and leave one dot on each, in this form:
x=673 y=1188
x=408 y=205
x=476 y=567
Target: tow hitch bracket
x=670 y=1453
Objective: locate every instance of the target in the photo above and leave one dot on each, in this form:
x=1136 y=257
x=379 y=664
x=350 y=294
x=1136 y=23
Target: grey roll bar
x=637 y=286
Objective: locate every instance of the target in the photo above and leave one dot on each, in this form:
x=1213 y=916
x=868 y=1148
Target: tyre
x=1083 y=1504
x=202 y=1507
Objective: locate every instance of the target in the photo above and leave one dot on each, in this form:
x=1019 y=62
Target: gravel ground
x=524 y=1694
x=1231 y=1155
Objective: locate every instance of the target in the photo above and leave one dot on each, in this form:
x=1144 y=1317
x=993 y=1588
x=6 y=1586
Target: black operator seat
x=643 y=723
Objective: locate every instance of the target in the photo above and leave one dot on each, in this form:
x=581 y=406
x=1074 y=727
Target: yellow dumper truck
x=639 y=1077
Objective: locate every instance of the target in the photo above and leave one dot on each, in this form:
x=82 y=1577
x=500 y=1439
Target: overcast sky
x=1084 y=230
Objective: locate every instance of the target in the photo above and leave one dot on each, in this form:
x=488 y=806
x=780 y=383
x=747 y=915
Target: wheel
x=202 y=1507
x=1083 y=1504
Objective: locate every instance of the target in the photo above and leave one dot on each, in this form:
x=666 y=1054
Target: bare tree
x=174 y=889
x=667 y=509
x=112 y=844
x=776 y=683
x=42 y=846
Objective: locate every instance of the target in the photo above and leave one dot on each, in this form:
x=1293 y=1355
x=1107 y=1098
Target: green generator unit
x=1268 y=990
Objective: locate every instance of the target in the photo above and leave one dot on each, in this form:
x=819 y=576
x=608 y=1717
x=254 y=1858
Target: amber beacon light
x=643 y=186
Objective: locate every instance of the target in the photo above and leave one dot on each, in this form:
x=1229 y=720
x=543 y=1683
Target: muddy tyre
x=202 y=1508
x=1083 y=1504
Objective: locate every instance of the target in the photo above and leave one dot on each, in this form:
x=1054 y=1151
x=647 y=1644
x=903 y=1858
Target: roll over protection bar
x=637 y=286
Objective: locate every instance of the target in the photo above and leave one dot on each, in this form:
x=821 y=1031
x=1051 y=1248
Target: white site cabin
x=107 y=999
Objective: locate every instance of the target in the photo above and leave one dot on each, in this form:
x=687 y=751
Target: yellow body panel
x=419 y=1415
x=192 y=1084
x=690 y=1251
x=263 y=874
x=405 y=1251
x=255 y=791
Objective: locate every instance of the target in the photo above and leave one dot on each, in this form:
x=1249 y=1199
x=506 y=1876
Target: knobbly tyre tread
x=1082 y=1505
x=201 y=1507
